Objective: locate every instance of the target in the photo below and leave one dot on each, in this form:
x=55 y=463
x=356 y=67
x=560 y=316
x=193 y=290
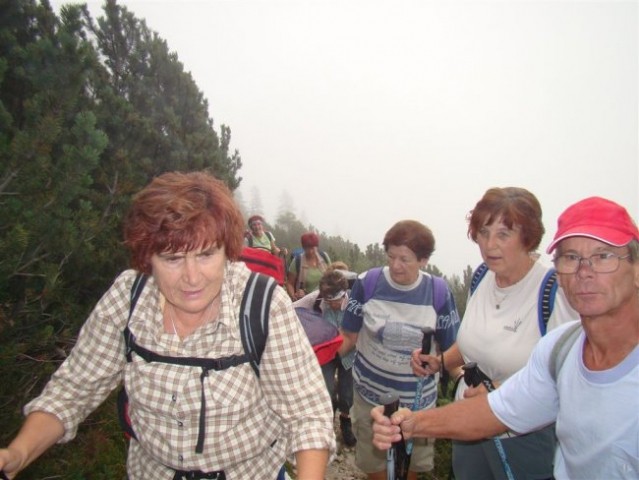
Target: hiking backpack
x=249 y=239
x=296 y=258
x=262 y=261
x=254 y=317
x=546 y=297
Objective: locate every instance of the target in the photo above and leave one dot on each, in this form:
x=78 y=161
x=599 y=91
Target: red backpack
x=261 y=261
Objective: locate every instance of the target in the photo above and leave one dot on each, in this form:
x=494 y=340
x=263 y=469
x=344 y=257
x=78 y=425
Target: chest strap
x=206 y=364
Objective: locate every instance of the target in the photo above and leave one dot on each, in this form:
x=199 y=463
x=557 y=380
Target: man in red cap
x=583 y=375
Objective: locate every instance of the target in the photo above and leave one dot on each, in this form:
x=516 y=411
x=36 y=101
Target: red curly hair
x=514 y=206
x=182 y=212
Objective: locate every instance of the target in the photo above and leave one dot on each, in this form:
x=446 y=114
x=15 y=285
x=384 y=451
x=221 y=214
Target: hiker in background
x=257 y=237
x=184 y=232
x=501 y=326
x=583 y=375
x=306 y=268
x=331 y=299
x=385 y=317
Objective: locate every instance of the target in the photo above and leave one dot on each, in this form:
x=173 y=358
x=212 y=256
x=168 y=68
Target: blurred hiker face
x=190 y=281
x=403 y=264
x=257 y=227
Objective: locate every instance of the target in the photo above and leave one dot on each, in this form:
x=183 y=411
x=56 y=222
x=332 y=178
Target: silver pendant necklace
x=497 y=300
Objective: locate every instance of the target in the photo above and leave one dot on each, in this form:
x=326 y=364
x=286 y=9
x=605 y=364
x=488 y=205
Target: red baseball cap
x=597 y=218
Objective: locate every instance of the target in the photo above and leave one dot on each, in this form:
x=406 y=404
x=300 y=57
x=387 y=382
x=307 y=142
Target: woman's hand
x=417 y=361
x=10 y=462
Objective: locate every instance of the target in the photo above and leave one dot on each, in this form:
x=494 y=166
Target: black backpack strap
x=254 y=317
x=546 y=302
x=136 y=291
x=478 y=274
x=253 y=332
x=123 y=398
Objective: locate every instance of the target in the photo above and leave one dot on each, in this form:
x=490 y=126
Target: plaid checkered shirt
x=251 y=424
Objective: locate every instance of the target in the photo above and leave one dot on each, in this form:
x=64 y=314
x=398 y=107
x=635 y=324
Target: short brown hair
x=414 y=235
x=332 y=282
x=182 y=211
x=513 y=206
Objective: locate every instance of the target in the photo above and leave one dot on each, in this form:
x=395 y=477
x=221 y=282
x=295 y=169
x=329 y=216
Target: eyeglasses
x=604 y=262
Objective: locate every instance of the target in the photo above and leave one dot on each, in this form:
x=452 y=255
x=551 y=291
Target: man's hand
x=386 y=430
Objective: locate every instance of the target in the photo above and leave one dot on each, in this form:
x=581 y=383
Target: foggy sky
x=366 y=113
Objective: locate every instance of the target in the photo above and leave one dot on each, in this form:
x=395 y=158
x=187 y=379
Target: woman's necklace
x=173 y=321
x=497 y=299
x=204 y=316
x=500 y=298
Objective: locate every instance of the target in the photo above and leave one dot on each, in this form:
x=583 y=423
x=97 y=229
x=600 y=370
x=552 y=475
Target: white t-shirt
x=500 y=339
x=597 y=412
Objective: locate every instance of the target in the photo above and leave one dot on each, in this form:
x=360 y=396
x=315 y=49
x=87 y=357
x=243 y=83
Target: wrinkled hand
x=388 y=430
x=433 y=363
x=299 y=294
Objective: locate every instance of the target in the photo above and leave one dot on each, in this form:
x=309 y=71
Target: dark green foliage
x=88 y=115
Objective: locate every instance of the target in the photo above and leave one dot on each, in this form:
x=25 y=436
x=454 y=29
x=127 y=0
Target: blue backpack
x=547 y=294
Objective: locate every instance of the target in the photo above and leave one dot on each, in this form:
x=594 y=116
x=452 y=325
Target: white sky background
x=369 y=112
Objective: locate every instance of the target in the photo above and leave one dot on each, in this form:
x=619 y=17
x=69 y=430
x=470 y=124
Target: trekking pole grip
x=473 y=376
x=390 y=402
x=427 y=340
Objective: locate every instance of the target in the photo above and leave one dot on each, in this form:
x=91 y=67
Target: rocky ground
x=343 y=467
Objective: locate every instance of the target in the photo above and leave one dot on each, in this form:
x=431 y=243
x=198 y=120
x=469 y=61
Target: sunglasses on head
x=335 y=296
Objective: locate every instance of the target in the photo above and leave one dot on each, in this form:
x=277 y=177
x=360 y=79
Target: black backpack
x=253 y=331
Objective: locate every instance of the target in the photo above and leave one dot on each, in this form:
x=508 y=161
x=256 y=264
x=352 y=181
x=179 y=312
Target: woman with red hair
x=307 y=268
x=184 y=232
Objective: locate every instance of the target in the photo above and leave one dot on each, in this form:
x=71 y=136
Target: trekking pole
x=396 y=458
x=427 y=340
x=391 y=403
x=474 y=376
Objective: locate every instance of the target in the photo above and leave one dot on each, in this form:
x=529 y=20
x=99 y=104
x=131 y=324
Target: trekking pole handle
x=427 y=340
x=390 y=402
x=473 y=376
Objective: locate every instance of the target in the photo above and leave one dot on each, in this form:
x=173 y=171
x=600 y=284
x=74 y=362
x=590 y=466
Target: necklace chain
x=173 y=321
x=499 y=301
x=204 y=316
